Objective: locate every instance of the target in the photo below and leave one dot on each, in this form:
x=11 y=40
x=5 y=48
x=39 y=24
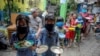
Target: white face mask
x=67 y=24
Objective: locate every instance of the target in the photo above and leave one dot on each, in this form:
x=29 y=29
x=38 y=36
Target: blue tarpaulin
x=1 y=15
x=25 y=13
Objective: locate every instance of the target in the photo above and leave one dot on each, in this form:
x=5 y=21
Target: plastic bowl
x=71 y=28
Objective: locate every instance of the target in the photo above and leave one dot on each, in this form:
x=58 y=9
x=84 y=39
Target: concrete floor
x=88 y=47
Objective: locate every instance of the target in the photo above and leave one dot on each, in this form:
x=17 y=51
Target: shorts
x=70 y=35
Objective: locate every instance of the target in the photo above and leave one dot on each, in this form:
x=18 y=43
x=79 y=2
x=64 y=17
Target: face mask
x=67 y=24
x=22 y=30
x=84 y=10
x=79 y=19
x=49 y=27
x=59 y=24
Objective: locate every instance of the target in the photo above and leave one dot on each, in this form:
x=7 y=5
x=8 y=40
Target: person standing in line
x=35 y=21
x=97 y=17
x=79 y=28
x=70 y=34
x=23 y=33
x=73 y=24
x=59 y=27
x=49 y=35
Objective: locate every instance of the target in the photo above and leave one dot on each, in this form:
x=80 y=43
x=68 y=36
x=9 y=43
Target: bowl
x=56 y=50
x=41 y=49
x=23 y=44
x=71 y=28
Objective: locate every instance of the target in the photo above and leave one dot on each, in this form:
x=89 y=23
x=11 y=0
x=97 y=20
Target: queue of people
x=54 y=32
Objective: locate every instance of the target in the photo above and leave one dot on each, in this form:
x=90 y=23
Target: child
x=23 y=32
x=49 y=35
x=79 y=23
x=60 y=30
x=70 y=27
x=69 y=34
x=59 y=24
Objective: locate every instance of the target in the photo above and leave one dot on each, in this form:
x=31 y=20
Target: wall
x=2 y=4
x=23 y=7
x=42 y=5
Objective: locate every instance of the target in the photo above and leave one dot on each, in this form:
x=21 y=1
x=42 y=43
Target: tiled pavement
x=88 y=47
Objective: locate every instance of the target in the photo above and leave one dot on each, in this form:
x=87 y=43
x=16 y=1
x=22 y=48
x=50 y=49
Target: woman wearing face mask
x=49 y=36
x=23 y=33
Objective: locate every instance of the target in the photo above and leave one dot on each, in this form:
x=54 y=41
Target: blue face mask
x=84 y=10
x=79 y=18
x=59 y=24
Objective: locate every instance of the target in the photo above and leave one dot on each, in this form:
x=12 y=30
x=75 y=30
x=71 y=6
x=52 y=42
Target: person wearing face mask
x=79 y=23
x=69 y=28
x=59 y=27
x=49 y=35
x=59 y=24
x=23 y=33
x=79 y=20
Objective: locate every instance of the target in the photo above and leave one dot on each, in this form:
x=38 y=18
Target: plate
x=61 y=35
x=42 y=49
x=56 y=50
x=23 y=44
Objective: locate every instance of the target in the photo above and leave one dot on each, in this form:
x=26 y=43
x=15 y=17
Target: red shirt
x=73 y=22
x=69 y=34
